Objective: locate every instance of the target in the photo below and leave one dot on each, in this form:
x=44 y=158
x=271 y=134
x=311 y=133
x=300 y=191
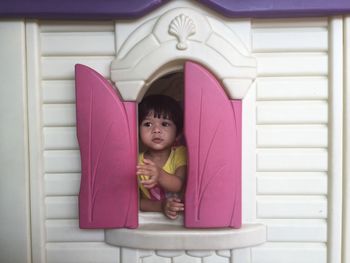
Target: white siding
x=61 y=207
x=290 y=253
x=291 y=159
x=62 y=161
x=68 y=231
x=60 y=138
x=292 y=207
x=81 y=252
x=59 y=91
x=296 y=230
x=292 y=112
x=291 y=135
x=62 y=184
x=62 y=46
x=59 y=114
x=292 y=183
x=292 y=64
x=292 y=138
x=60 y=68
x=70 y=43
x=280 y=136
x=301 y=39
x=292 y=88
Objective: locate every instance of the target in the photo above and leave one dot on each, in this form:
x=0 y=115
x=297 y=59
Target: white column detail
x=346 y=118
x=35 y=147
x=14 y=167
x=336 y=141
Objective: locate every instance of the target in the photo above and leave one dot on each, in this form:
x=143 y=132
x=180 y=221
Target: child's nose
x=156 y=129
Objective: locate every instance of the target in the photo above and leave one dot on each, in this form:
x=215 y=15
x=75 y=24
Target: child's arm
x=170 y=207
x=170 y=183
x=148 y=205
x=173 y=183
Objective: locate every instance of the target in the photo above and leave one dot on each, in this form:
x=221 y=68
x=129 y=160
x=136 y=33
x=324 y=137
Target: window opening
x=172 y=85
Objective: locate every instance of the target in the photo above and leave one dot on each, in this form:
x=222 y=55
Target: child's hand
x=149 y=173
x=172 y=206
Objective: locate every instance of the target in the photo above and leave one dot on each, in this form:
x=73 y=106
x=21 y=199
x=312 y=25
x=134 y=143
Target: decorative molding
x=176 y=237
x=130 y=255
x=182 y=27
x=149 y=52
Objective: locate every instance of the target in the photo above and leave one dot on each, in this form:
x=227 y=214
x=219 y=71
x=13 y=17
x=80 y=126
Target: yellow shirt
x=176 y=159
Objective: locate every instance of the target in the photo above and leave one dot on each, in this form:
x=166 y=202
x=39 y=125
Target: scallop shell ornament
x=182 y=27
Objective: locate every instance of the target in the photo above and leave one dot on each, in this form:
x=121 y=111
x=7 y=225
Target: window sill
x=157 y=233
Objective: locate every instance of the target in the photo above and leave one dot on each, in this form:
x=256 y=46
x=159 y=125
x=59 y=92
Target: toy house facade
x=291 y=76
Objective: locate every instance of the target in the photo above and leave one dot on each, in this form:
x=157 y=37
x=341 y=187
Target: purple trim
x=77 y=9
x=278 y=8
x=121 y=9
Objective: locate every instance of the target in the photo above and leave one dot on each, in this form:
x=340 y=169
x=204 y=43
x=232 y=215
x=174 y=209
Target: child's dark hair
x=162 y=106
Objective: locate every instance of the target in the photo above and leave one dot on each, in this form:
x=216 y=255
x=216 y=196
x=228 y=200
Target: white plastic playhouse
x=282 y=69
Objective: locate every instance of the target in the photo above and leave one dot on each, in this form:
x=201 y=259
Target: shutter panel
x=213 y=135
x=106 y=130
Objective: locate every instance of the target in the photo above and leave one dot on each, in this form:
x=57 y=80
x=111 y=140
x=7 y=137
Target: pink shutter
x=106 y=130
x=213 y=136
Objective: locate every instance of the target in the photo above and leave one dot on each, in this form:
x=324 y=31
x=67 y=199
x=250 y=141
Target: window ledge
x=169 y=235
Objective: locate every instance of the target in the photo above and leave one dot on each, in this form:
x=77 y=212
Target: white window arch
x=163 y=43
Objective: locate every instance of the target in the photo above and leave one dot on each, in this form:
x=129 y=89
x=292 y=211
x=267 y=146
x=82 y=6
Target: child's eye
x=165 y=124
x=147 y=124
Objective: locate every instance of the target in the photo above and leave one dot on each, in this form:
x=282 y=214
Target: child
x=162 y=166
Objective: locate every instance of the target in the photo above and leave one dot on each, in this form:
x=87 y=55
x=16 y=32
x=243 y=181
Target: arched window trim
x=157 y=45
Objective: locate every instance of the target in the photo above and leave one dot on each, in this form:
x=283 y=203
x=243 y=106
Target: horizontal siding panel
x=58 y=91
x=81 y=252
x=290 y=253
x=291 y=39
x=59 y=115
x=292 y=88
x=62 y=184
x=62 y=68
x=76 y=26
x=296 y=230
x=291 y=112
x=68 y=231
x=292 y=64
x=61 y=207
x=292 y=207
x=287 y=183
x=70 y=44
x=290 y=160
x=286 y=23
x=62 y=161
x=60 y=138
x=292 y=136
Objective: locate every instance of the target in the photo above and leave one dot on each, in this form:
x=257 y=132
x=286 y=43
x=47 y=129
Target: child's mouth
x=157 y=140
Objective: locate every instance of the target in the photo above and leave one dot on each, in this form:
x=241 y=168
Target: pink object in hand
x=213 y=136
x=106 y=130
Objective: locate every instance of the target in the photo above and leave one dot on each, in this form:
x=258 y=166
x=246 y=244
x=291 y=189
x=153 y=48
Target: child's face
x=157 y=133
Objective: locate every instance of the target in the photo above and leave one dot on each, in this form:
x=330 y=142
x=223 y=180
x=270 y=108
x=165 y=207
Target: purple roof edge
x=120 y=9
x=278 y=8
